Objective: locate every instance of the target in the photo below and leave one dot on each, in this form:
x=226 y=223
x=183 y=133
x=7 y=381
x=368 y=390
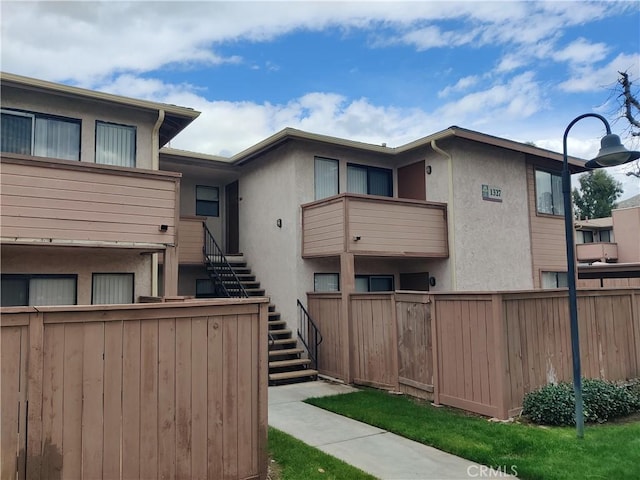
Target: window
x=374 y=283
x=110 y=288
x=605 y=236
x=207 y=201
x=24 y=290
x=549 y=193
x=584 y=236
x=369 y=180
x=326 y=177
x=205 y=289
x=554 y=279
x=326 y=282
x=115 y=144
x=40 y=135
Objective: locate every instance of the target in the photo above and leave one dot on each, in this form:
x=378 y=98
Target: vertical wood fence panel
x=415 y=359
x=325 y=310
x=374 y=340
x=137 y=391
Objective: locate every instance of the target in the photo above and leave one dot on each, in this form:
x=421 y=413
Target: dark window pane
x=207 y=201
x=16 y=133
x=381 y=284
x=14 y=292
x=380 y=182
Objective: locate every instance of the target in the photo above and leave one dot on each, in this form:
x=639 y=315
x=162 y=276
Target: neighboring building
x=85 y=210
x=614 y=239
x=454 y=211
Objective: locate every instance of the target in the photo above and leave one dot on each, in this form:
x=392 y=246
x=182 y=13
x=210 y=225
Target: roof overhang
x=175 y=118
x=289 y=134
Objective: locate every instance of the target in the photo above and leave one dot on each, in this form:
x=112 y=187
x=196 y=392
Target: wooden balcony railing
x=377 y=226
x=59 y=202
x=589 y=252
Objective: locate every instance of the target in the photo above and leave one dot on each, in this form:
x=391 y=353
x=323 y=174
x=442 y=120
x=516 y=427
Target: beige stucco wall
x=80 y=261
x=88 y=112
x=626 y=225
x=492 y=240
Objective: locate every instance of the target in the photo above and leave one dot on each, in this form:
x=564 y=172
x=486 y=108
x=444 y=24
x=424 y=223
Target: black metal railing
x=225 y=281
x=309 y=334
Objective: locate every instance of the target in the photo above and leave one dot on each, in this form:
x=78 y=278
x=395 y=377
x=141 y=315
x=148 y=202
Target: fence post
x=435 y=342
x=635 y=326
x=502 y=376
x=395 y=373
x=34 y=395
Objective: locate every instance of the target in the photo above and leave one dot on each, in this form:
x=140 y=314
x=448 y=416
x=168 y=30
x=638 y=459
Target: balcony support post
x=347 y=287
x=170 y=271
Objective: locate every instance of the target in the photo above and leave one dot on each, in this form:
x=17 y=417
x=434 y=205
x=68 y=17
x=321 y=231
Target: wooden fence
x=481 y=351
x=168 y=390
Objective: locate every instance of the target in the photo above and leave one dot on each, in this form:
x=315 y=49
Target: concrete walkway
x=382 y=454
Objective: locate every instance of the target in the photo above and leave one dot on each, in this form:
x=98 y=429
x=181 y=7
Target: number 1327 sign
x=491 y=193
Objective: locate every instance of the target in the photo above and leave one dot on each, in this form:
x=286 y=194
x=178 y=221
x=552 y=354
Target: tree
x=631 y=111
x=597 y=195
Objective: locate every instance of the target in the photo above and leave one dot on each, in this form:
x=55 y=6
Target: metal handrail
x=309 y=334
x=220 y=267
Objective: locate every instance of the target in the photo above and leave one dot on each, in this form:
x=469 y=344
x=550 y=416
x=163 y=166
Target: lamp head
x=612 y=153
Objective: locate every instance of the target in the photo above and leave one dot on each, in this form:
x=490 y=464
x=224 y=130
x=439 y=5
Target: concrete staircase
x=287 y=361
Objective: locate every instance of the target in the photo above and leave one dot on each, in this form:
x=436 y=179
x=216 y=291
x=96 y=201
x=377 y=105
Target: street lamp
x=611 y=153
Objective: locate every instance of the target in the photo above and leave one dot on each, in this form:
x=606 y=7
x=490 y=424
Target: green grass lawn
x=610 y=451
x=298 y=461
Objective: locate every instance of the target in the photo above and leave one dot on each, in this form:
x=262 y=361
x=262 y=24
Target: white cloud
x=589 y=78
x=461 y=85
x=581 y=51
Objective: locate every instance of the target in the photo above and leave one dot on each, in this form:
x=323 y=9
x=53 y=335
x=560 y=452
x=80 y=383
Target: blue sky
x=377 y=72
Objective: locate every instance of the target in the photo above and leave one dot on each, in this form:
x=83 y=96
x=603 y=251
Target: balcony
x=374 y=226
x=59 y=202
x=601 y=252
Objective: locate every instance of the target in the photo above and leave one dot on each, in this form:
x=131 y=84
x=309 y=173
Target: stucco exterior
x=82 y=262
x=492 y=241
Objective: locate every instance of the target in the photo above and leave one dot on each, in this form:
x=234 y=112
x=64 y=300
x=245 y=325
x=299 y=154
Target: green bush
x=602 y=400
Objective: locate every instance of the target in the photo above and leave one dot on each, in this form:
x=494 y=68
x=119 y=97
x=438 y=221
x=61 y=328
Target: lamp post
x=611 y=153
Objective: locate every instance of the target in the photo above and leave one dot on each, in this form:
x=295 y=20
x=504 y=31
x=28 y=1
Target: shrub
x=602 y=400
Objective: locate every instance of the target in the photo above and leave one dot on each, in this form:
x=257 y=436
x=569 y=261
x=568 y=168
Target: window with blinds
x=40 y=135
x=40 y=290
x=112 y=288
x=369 y=180
x=325 y=177
x=115 y=144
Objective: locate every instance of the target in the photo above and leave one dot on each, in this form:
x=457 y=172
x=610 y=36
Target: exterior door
x=411 y=181
x=232 y=215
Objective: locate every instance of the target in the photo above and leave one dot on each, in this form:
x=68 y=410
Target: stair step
x=255 y=292
x=276 y=323
x=307 y=372
x=283 y=341
x=285 y=351
x=274 y=316
x=283 y=331
x=289 y=363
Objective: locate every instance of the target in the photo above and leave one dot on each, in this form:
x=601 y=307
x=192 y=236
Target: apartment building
x=85 y=209
x=96 y=211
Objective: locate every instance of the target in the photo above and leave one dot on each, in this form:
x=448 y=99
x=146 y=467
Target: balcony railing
x=590 y=252
x=59 y=202
x=371 y=225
